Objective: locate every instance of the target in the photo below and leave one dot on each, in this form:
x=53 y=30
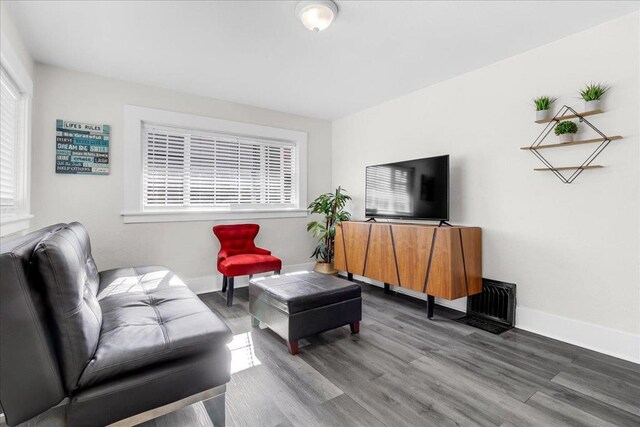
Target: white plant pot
x=566 y=137
x=593 y=105
x=543 y=115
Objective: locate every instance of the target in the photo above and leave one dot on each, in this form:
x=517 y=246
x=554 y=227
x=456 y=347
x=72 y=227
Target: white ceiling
x=258 y=53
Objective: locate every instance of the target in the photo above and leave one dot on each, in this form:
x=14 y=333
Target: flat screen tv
x=413 y=189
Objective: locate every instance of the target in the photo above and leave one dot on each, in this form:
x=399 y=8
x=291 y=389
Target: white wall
x=573 y=250
x=11 y=35
x=97 y=201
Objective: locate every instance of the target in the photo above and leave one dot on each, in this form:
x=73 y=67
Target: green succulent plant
x=331 y=205
x=543 y=102
x=594 y=91
x=566 y=127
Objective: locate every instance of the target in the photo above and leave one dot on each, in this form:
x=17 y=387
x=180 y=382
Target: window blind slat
x=194 y=168
x=9 y=128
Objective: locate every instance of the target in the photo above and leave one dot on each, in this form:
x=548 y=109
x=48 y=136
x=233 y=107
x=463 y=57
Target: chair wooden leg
x=230 y=292
x=293 y=346
x=277 y=272
x=224 y=284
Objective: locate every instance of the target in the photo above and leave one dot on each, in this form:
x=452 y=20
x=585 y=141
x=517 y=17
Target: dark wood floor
x=403 y=369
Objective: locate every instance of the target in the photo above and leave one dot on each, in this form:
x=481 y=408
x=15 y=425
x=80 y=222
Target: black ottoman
x=302 y=304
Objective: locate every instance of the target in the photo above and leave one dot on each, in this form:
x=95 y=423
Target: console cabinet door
x=413 y=248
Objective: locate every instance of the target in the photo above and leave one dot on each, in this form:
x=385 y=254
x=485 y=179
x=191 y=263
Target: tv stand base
x=431 y=301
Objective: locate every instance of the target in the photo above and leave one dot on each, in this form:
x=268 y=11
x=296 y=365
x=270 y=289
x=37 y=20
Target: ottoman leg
x=293 y=346
x=355 y=327
x=255 y=322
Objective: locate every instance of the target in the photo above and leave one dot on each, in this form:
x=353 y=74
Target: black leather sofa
x=80 y=347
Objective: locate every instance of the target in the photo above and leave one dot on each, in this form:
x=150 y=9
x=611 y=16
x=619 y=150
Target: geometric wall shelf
x=567 y=113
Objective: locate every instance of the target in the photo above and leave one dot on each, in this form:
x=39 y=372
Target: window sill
x=181 y=216
x=14 y=224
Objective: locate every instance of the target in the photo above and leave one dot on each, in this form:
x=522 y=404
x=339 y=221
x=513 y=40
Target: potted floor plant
x=565 y=130
x=592 y=95
x=331 y=206
x=543 y=107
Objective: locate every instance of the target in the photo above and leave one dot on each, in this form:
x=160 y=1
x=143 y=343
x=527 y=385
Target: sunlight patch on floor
x=243 y=354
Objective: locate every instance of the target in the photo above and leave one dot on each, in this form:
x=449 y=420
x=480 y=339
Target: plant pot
x=325 y=268
x=566 y=137
x=543 y=115
x=593 y=105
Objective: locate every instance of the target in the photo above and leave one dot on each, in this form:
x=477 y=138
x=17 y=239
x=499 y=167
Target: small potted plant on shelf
x=592 y=95
x=331 y=206
x=543 y=107
x=565 y=130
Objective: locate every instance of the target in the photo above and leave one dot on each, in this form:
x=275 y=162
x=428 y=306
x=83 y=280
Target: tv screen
x=413 y=189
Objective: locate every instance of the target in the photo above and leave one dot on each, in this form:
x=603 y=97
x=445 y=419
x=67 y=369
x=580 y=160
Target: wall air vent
x=494 y=309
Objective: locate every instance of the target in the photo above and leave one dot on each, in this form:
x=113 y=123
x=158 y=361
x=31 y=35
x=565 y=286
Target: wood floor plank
x=549 y=348
x=508 y=379
x=345 y=412
x=614 y=392
x=248 y=405
x=286 y=398
x=592 y=406
x=311 y=387
x=522 y=356
x=356 y=379
x=498 y=403
x=610 y=366
x=566 y=413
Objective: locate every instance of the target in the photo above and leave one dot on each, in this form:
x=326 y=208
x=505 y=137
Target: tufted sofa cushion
x=149 y=317
x=71 y=282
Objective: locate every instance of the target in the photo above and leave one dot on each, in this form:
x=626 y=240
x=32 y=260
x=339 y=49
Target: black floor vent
x=493 y=310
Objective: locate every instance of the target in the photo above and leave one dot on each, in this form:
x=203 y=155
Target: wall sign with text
x=82 y=148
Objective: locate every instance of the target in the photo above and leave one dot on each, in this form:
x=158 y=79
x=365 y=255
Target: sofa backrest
x=71 y=281
x=30 y=380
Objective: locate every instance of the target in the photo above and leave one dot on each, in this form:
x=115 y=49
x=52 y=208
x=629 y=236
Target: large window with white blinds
x=9 y=143
x=184 y=168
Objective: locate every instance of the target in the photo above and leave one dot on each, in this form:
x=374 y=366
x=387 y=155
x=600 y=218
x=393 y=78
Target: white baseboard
x=616 y=343
x=620 y=344
x=213 y=283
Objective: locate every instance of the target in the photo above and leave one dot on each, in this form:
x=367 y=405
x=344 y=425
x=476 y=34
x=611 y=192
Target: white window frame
x=135 y=212
x=20 y=220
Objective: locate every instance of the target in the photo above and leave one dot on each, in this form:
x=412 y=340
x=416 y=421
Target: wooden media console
x=443 y=262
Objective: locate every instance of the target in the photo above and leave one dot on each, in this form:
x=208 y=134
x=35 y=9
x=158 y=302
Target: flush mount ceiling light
x=316 y=15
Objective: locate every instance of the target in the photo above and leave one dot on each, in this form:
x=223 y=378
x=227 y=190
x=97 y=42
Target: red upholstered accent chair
x=239 y=255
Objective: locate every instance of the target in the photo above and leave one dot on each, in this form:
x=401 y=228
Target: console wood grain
x=444 y=262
